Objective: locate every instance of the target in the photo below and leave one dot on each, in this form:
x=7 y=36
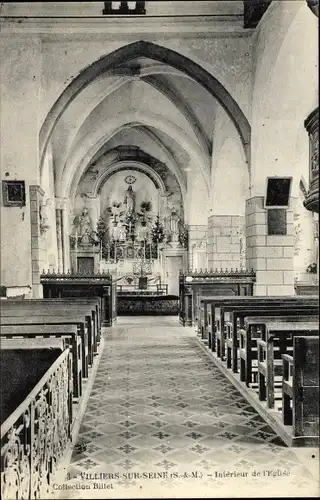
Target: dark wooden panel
x=277 y=221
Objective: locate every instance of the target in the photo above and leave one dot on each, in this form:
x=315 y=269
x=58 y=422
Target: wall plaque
x=277 y=221
x=13 y=193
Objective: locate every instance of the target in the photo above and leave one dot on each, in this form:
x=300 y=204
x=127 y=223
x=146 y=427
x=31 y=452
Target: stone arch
x=158 y=53
x=82 y=155
x=128 y=165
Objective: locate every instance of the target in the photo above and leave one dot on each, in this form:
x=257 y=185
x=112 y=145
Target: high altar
x=131 y=228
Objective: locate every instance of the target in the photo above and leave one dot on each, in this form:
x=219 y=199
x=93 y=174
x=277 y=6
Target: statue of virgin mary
x=129 y=201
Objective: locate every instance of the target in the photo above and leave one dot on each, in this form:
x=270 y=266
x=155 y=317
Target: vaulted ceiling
x=156 y=103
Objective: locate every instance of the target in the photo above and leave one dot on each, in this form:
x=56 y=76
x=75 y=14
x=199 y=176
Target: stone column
x=37 y=240
x=59 y=238
x=62 y=223
x=270 y=256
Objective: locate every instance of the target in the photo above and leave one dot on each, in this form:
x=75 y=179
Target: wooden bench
x=50 y=309
x=26 y=343
x=67 y=319
x=67 y=333
x=277 y=339
x=248 y=337
x=300 y=390
x=236 y=321
x=89 y=305
x=208 y=305
x=262 y=310
x=36 y=420
x=214 y=304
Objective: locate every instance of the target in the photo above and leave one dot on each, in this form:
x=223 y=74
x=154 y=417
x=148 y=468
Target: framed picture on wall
x=278 y=192
x=13 y=193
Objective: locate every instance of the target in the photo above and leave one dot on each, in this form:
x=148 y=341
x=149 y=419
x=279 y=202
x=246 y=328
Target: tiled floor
x=159 y=405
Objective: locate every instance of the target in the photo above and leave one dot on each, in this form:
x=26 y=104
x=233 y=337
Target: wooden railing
x=65 y=275
x=35 y=437
x=58 y=284
x=193 y=283
x=152 y=288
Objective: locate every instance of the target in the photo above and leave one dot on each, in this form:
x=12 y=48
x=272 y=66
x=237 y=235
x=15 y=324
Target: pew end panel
x=42 y=421
x=306 y=390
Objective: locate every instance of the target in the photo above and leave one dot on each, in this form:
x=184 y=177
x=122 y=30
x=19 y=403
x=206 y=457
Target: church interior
x=159 y=249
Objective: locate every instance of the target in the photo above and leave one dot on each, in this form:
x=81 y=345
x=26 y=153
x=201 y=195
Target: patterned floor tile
x=158 y=405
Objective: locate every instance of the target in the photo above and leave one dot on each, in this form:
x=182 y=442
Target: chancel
x=159 y=249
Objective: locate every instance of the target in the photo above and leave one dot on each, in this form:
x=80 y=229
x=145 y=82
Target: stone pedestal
x=85 y=251
x=174 y=260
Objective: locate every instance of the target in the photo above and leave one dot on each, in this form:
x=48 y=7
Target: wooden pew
x=68 y=333
x=36 y=420
x=48 y=309
x=214 y=305
x=277 y=339
x=26 y=343
x=236 y=321
x=300 y=390
x=67 y=319
x=249 y=335
x=208 y=305
x=90 y=305
x=262 y=310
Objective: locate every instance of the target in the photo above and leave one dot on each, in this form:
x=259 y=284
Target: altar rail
x=35 y=437
x=156 y=289
x=58 y=284
x=196 y=282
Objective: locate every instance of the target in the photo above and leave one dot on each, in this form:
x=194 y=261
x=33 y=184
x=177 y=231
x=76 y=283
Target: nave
x=160 y=405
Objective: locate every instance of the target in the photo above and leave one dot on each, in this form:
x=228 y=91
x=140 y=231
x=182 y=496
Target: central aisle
x=159 y=405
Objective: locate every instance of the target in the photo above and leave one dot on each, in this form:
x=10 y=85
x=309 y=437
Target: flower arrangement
x=145 y=206
x=183 y=236
x=157 y=231
x=312 y=268
x=101 y=228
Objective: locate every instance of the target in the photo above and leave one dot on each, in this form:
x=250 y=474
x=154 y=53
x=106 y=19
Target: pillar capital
x=61 y=203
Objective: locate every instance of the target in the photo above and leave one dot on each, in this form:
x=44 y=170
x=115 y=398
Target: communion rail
x=35 y=437
x=156 y=289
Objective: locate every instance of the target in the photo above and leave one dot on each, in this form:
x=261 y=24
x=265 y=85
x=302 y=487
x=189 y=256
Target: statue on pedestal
x=83 y=226
x=130 y=201
x=44 y=210
x=174 y=226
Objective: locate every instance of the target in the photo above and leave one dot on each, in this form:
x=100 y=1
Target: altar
x=132 y=233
